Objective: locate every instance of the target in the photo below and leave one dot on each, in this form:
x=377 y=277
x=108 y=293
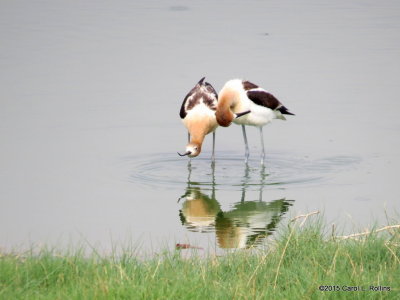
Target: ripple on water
x=281 y=170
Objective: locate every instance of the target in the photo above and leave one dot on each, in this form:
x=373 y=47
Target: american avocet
x=198 y=115
x=240 y=95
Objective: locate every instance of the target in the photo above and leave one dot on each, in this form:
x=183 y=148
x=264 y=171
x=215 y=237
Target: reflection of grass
x=300 y=261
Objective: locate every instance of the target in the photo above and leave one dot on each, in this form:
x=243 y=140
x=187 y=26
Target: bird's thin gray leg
x=190 y=159
x=262 y=146
x=247 y=152
x=189 y=167
x=213 y=148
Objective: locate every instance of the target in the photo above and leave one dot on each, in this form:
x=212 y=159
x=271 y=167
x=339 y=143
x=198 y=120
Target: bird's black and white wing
x=202 y=92
x=261 y=97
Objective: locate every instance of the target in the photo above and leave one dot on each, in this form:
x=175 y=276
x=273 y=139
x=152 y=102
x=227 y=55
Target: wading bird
x=198 y=115
x=240 y=95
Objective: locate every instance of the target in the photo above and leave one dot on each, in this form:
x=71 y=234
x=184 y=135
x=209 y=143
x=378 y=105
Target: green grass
x=298 y=262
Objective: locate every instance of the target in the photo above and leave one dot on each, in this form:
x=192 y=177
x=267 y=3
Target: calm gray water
x=89 y=126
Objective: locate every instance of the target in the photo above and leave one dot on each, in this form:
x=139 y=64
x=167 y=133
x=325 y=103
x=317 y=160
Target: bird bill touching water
x=198 y=115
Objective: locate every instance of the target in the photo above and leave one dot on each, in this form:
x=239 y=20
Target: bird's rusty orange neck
x=198 y=131
x=224 y=113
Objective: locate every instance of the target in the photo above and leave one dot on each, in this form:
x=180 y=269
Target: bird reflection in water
x=199 y=210
x=246 y=224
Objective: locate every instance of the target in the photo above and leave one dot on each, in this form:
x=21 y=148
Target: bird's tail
x=285 y=111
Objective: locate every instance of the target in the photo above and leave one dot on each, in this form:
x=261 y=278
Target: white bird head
x=192 y=150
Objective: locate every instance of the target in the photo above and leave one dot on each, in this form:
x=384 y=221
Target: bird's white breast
x=258 y=116
x=200 y=110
